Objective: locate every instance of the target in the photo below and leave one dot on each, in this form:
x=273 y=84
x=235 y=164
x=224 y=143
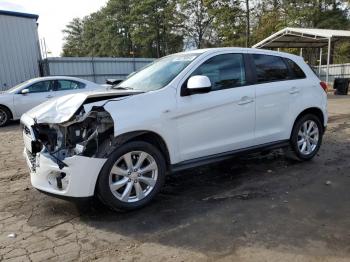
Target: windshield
x=159 y=73
x=17 y=87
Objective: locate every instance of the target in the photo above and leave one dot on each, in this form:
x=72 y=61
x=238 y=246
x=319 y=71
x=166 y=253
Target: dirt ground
x=257 y=208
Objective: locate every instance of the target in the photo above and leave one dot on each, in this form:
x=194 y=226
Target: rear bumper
x=77 y=179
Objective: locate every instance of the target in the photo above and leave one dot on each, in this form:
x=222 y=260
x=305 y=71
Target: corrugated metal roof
x=319 y=32
x=302 y=37
x=19 y=14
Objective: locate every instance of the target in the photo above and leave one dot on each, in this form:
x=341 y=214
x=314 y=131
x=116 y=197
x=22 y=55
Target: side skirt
x=223 y=156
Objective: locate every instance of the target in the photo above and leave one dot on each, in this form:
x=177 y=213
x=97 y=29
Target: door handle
x=49 y=96
x=245 y=100
x=293 y=90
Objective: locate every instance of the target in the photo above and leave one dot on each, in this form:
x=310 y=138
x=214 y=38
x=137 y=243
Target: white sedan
x=19 y=99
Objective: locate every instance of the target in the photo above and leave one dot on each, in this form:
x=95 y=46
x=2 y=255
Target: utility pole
x=247 y=34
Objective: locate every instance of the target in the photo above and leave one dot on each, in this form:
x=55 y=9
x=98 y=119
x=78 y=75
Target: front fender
x=148 y=112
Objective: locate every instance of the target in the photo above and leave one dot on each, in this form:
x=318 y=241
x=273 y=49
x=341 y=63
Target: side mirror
x=114 y=81
x=198 y=84
x=24 y=91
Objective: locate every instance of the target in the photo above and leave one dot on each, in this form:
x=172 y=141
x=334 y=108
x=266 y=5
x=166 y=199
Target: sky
x=54 y=15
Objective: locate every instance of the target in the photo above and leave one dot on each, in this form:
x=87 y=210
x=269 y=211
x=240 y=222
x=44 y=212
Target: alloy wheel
x=3 y=117
x=133 y=176
x=308 y=137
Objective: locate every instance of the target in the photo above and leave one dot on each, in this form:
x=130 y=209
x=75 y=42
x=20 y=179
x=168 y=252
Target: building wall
x=96 y=69
x=19 y=50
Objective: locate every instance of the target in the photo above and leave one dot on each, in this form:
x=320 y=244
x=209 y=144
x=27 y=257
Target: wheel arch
x=147 y=136
x=311 y=110
x=7 y=108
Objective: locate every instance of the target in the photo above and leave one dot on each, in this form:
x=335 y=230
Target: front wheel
x=5 y=116
x=306 y=137
x=132 y=176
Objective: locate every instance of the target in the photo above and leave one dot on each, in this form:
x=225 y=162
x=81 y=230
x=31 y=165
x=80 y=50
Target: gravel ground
x=257 y=208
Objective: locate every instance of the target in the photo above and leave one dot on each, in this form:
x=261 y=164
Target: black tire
x=103 y=190
x=294 y=137
x=5 y=116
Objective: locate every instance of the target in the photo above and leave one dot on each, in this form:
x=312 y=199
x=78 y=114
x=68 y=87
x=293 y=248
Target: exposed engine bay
x=85 y=134
x=72 y=125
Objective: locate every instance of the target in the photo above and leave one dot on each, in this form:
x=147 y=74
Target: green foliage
x=126 y=28
x=229 y=22
x=154 y=28
x=197 y=23
x=74 y=38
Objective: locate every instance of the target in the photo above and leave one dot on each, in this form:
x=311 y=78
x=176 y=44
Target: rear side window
x=63 y=85
x=224 y=71
x=297 y=72
x=270 y=68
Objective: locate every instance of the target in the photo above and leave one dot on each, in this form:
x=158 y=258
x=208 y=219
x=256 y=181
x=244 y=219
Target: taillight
x=324 y=86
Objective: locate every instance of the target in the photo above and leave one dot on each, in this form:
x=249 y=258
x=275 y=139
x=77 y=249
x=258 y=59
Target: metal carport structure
x=290 y=37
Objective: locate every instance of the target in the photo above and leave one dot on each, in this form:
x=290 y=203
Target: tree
x=247 y=23
x=198 y=22
x=118 y=27
x=229 y=22
x=73 y=38
x=156 y=28
x=125 y=28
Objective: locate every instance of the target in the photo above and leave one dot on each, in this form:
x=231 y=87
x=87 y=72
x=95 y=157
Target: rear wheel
x=132 y=176
x=5 y=116
x=306 y=137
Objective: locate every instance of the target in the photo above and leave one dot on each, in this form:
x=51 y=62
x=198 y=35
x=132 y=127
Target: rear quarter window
x=297 y=72
x=270 y=68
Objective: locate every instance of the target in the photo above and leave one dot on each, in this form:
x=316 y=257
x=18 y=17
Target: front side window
x=270 y=68
x=224 y=71
x=42 y=86
x=298 y=73
x=63 y=85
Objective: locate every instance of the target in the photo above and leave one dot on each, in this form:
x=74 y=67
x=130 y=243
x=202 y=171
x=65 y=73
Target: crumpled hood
x=61 y=109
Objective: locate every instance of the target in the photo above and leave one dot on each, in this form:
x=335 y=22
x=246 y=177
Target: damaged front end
x=65 y=158
x=86 y=134
x=67 y=142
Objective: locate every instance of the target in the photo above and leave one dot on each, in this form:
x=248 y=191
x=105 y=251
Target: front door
x=38 y=93
x=221 y=120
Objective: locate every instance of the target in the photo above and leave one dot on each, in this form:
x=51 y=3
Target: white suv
x=182 y=111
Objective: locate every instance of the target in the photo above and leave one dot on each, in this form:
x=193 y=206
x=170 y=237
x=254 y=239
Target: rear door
x=273 y=96
x=65 y=86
